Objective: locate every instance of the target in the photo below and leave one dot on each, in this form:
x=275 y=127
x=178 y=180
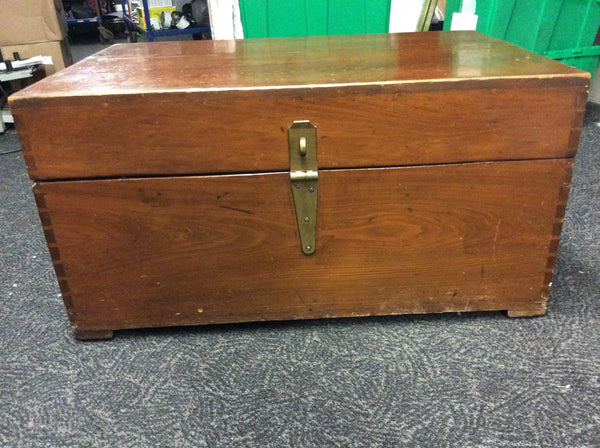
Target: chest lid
x=177 y=108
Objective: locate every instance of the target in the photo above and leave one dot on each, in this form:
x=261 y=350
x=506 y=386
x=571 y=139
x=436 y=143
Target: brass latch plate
x=304 y=178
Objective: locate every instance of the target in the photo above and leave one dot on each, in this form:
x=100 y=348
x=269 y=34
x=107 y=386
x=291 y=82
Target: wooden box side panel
x=236 y=132
x=199 y=250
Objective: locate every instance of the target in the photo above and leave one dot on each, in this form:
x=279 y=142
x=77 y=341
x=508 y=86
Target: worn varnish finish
x=444 y=158
x=175 y=251
x=379 y=100
x=355 y=130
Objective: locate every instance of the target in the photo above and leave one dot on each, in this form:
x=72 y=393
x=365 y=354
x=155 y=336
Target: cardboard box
x=31 y=21
x=59 y=50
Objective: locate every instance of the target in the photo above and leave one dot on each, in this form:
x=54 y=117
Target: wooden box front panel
x=196 y=250
x=212 y=133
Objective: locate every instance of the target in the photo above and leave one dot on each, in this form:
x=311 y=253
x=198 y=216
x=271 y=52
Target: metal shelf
x=151 y=33
x=90 y=20
x=175 y=31
x=105 y=35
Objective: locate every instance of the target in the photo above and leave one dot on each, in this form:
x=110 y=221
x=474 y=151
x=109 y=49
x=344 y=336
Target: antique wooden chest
x=185 y=183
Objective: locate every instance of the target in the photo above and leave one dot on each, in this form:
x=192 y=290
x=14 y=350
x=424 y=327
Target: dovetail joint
x=559 y=215
x=59 y=267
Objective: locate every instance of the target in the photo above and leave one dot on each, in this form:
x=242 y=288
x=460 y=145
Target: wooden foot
x=535 y=309
x=90 y=335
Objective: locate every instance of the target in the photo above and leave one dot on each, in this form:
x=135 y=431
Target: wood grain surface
x=299 y=62
x=163 y=184
x=183 y=134
x=200 y=250
x=224 y=107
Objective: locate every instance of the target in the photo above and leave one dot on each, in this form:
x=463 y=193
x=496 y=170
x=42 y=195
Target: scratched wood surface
x=292 y=63
x=225 y=135
x=223 y=107
x=143 y=157
x=198 y=250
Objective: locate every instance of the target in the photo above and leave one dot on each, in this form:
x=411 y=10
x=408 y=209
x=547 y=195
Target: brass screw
x=306 y=219
x=311 y=189
x=308 y=248
x=297 y=185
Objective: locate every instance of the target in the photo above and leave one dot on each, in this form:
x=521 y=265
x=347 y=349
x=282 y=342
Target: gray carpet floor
x=470 y=380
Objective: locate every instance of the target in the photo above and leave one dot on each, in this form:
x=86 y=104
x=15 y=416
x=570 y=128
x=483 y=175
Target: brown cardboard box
x=31 y=21
x=59 y=50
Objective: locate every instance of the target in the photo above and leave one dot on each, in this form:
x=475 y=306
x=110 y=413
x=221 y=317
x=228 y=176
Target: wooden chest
x=186 y=183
